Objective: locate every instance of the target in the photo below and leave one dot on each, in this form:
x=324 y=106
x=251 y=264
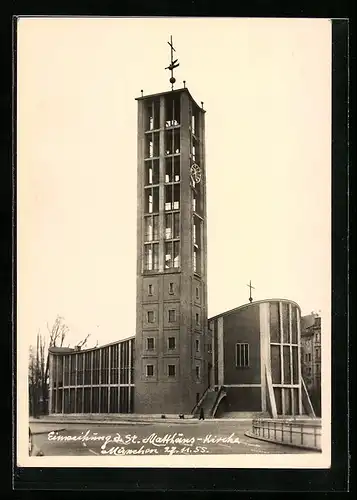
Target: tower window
x=150 y=316
x=242 y=355
x=172 y=197
x=172 y=169
x=198 y=372
x=152 y=172
x=153 y=115
x=150 y=118
x=176 y=254
x=150 y=343
x=172 y=343
x=168 y=255
x=149 y=370
x=151 y=257
x=197 y=345
x=172 y=254
x=151 y=229
x=172 y=315
x=197 y=293
x=168 y=226
x=151 y=201
x=172 y=141
x=150 y=289
x=195 y=122
x=173 y=111
x=196 y=198
x=194 y=150
x=171 y=288
x=194 y=201
x=171 y=370
x=176 y=169
x=152 y=142
x=197 y=319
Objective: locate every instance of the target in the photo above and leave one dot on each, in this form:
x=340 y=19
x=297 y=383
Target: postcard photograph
x=173 y=197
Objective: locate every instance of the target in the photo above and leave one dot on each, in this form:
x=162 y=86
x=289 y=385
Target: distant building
x=311 y=357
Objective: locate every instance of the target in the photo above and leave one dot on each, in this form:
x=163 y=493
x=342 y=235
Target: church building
x=247 y=359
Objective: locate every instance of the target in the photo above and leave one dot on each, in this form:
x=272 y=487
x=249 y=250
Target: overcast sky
x=265 y=84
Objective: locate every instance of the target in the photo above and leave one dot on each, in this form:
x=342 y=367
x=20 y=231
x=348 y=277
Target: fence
x=305 y=434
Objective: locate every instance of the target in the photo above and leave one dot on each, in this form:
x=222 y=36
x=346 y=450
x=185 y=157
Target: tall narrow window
x=195 y=121
x=150 y=316
x=151 y=200
x=172 y=315
x=172 y=107
x=152 y=172
x=176 y=257
x=151 y=228
x=149 y=370
x=194 y=201
x=176 y=227
x=176 y=169
x=168 y=226
x=168 y=255
x=197 y=345
x=150 y=118
x=156 y=114
x=153 y=115
x=242 y=355
x=148 y=262
x=150 y=289
x=198 y=372
x=152 y=145
x=168 y=170
x=196 y=260
x=171 y=288
x=197 y=319
x=176 y=197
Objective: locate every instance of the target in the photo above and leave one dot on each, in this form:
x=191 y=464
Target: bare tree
x=39 y=365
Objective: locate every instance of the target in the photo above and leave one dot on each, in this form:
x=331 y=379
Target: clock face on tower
x=196 y=173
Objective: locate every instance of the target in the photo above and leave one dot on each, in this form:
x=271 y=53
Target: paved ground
x=198 y=437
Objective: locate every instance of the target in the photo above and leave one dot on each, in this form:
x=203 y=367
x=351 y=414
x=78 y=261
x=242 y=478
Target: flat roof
x=70 y=350
x=255 y=302
x=176 y=91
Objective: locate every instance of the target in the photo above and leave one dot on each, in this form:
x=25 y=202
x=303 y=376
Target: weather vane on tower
x=173 y=64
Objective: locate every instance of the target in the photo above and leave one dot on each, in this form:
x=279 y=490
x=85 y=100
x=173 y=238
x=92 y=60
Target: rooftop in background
x=310 y=321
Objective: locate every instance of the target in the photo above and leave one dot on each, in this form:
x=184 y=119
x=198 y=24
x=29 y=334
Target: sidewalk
x=44 y=428
x=133 y=420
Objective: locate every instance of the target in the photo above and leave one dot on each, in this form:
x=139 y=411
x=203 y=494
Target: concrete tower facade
x=172 y=364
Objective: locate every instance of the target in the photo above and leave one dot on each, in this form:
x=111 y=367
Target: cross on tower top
x=173 y=64
x=250 y=291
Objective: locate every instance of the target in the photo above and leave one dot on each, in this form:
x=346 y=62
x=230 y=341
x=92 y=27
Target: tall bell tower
x=172 y=361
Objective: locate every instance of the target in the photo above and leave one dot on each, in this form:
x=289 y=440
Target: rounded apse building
x=256 y=357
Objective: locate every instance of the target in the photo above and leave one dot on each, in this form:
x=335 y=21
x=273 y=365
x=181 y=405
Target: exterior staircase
x=209 y=402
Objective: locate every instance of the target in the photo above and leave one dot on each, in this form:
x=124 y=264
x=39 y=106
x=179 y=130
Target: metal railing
x=221 y=392
x=194 y=409
x=305 y=434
